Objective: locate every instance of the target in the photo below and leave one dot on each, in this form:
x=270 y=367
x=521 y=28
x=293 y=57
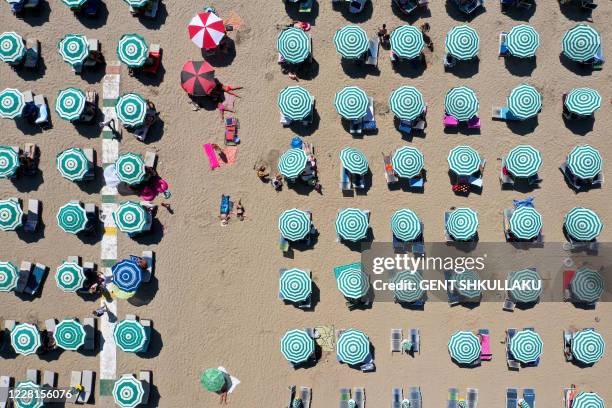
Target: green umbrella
x=297 y=346
x=131 y=109
x=353 y=347
x=584 y=162
x=524 y=102
x=292 y=163
x=9 y=274
x=130 y=168
x=352 y=282
x=132 y=50
x=526 y=223
x=74 y=48
x=525 y=285
x=407 y=161
x=70 y=277
x=29 y=393
x=295 y=102
x=588 y=346
x=587 y=285
x=464 y=347
x=523 y=161
x=581 y=43
x=70 y=103
x=128 y=391
x=294 y=45
x=582 y=224
x=25 y=339
x=523 y=41
x=583 y=101
x=466 y=284
x=463 y=160
x=9 y=162
x=408 y=289
x=11 y=215
x=354 y=161
x=74 y=3
x=131 y=217
x=407 y=42
x=351 y=42
x=407 y=103
x=12 y=49
x=462 y=42
x=69 y=334
x=295 y=285
x=130 y=336
x=461 y=103
x=526 y=346
x=462 y=224
x=72 y=217
x=352 y=224
x=294 y=224
x=405 y=225
x=12 y=103
x=72 y=164
x=351 y=103
x=213 y=380
x=588 y=400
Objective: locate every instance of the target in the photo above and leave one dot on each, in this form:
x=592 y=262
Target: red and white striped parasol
x=206 y=30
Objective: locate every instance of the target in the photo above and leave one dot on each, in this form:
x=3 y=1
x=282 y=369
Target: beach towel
x=212 y=157
x=230 y=153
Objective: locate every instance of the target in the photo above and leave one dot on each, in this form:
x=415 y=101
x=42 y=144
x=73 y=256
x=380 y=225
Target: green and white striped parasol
x=74 y=48
x=407 y=161
x=352 y=282
x=12 y=103
x=295 y=285
x=525 y=223
x=12 y=48
x=587 y=285
x=72 y=217
x=405 y=225
x=585 y=162
x=464 y=347
x=69 y=334
x=466 y=284
x=292 y=163
x=132 y=50
x=462 y=42
x=353 y=347
x=74 y=3
x=407 y=103
x=72 y=164
x=70 y=103
x=524 y=102
x=351 y=41
x=295 y=102
x=351 y=103
x=9 y=162
x=130 y=336
x=130 y=168
x=588 y=400
x=131 y=109
x=130 y=217
x=581 y=43
x=354 y=161
x=9 y=274
x=410 y=289
x=28 y=395
x=294 y=45
x=526 y=346
x=407 y=42
x=582 y=224
x=70 y=277
x=11 y=215
x=583 y=101
x=461 y=103
x=128 y=391
x=352 y=224
x=523 y=41
x=462 y=224
x=297 y=346
x=463 y=160
x=294 y=224
x=25 y=339
x=523 y=161
x=526 y=285
x=588 y=346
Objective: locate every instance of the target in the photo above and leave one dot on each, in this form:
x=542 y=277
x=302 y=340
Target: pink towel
x=230 y=153
x=450 y=121
x=212 y=157
x=474 y=123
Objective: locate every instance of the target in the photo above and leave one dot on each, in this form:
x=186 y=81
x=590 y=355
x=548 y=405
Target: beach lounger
x=32 y=55
x=94 y=46
x=345 y=396
x=416 y=182
x=474 y=123
x=150 y=159
x=373 y=48
x=356 y=6
x=510 y=361
x=453 y=398
x=415 y=338
x=148 y=256
x=472 y=398
x=485 y=345
x=529 y=397
x=75 y=380
x=43 y=110
x=92 y=217
x=446 y=234
x=50 y=325
x=305 y=395
x=509 y=305
x=567 y=339
x=130 y=317
x=6 y=383
x=511 y=398
x=588 y=5
x=415 y=398
x=32 y=375
x=306 y=6
x=345 y=180
x=87 y=381
x=49 y=379
x=369 y=121
x=504 y=178
x=35 y=279
x=91 y=164
x=390 y=175
x=450 y=121
x=356 y=127
x=568 y=396
x=148 y=327
x=397 y=396
x=507 y=214
x=89 y=324
x=453 y=298
x=503 y=48
x=283 y=244
x=359 y=397
x=396 y=340
x=568 y=275
x=291 y=395
x=145 y=377
x=155 y=52
x=33 y=216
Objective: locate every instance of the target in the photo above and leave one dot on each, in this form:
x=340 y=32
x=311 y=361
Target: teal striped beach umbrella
x=70 y=277
x=11 y=215
x=464 y=347
x=588 y=400
x=9 y=162
x=25 y=339
x=130 y=168
x=526 y=285
x=461 y=103
x=295 y=102
x=581 y=43
x=462 y=42
x=12 y=103
x=74 y=48
x=351 y=103
x=353 y=347
x=523 y=41
x=294 y=224
x=137 y=3
x=294 y=45
x=131 y=109
x=131 y=217
x=132 y=50
x=463 y=160
x=70 y=103
x=408 y=287
x=583 y=101
x=525 y=223
x=12 y=48
x=405 y=225
x=407 y=103
x=462 y=224
x=524 y=101
x=526 y=346
x=582 y=224
x=292 y=163
x=74 y=3
x=9 y=274
x=69 y=334
x=29 y=395
x=351 y=41
x=588 y=346
x=128 y=391
x=407 y=42
x=466 y=284
x=72 y=164
x=297 y=346
x=352 y=224
x=407 y=161
x=354 y=161
x=130 y=336
x=587 y=285
x=352 y=282
x=72 y=217
x=295 y=285
x=584 y=162
x=523 y=161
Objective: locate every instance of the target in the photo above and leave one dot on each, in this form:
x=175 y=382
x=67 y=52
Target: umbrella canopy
x=584 y=162
x=137 y=3
x=411 y=290
x=354 y=161
x=523 y=161
x=128 y=391
x=352 y=224
x=12 y=48
x=9 y=162
x=72 y=217
x=11 y=215
x=9 y=274
x=464 y=347
x=295 y=285
x=405 y=225
x=74 y=3
x=407 y=103
x=524 y=101
x=351 y=41
x=70 y=103
x=297 y=346
x=407 y=42
x=294 y=45
x=461 y=103
x=581 y=43
x=465 y=284
x=74 y=48
x=523 y=41
x=70 y=277
x=352 y=282
x=69 y=334
x=530 y=289
x=132 y=50
x=353 y=347
x=351 y=103
x=526 y=346
x=131 y=217
x=294 y=224
x=525 y=223
x=588 y=346
x=295 y=102
x=213 y=380
x=407 y=161
x=30 y=392
x=463 y=160
x=72 y=164
x=588 y=400
x=12 y=103
x=583 y=101
x=462 y=224
x=587 y=285
x=25 y=339
x=131 y=109
x=462 y=42
x=582 y=224
x=292 y=163
x=198 y=78
x=127 y=275
x=206 y=30
x=130 y=336
x=130 y=168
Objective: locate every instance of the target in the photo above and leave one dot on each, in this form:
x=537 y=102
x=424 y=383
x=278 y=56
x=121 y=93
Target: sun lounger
x=397 y=396
x=472 y=398
x=446 y=234
x=50 y=325
x=568 y=396
x=474 y=123
x=345 y=180
x=75 y=380
x=9 y=325
x=359 y=397
x=6 y=383
x=35 y=279
x=32 y=55
x=151 y=11
x=145 y=377
x=356 y=127
x=306 y=6
x=504 y=178
x=148 y=327
x=291 y=395
x=32 y=218
x=305 y=395
x=372 y=56
x=415 y=398
x=396 y=340
x=453 y=398
x=511 y=362
x=390 y=175
x=49 y=379
x=94 y=46
x=87 y=381
x=155 y=52
x=92 y=217
x=511 y=398
x=89 y=324
x=453 y=298
x=529 y=397
x=485 y=345
x=356 y=6
x=32 y=375
x=148 y=256
x=450 y=121
x=43 y=110
x=345 y=396
x=415 y=338
x=368 y=365
x=509 y=305
x=369 y=121
x=588 y=4
x=507 y=214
